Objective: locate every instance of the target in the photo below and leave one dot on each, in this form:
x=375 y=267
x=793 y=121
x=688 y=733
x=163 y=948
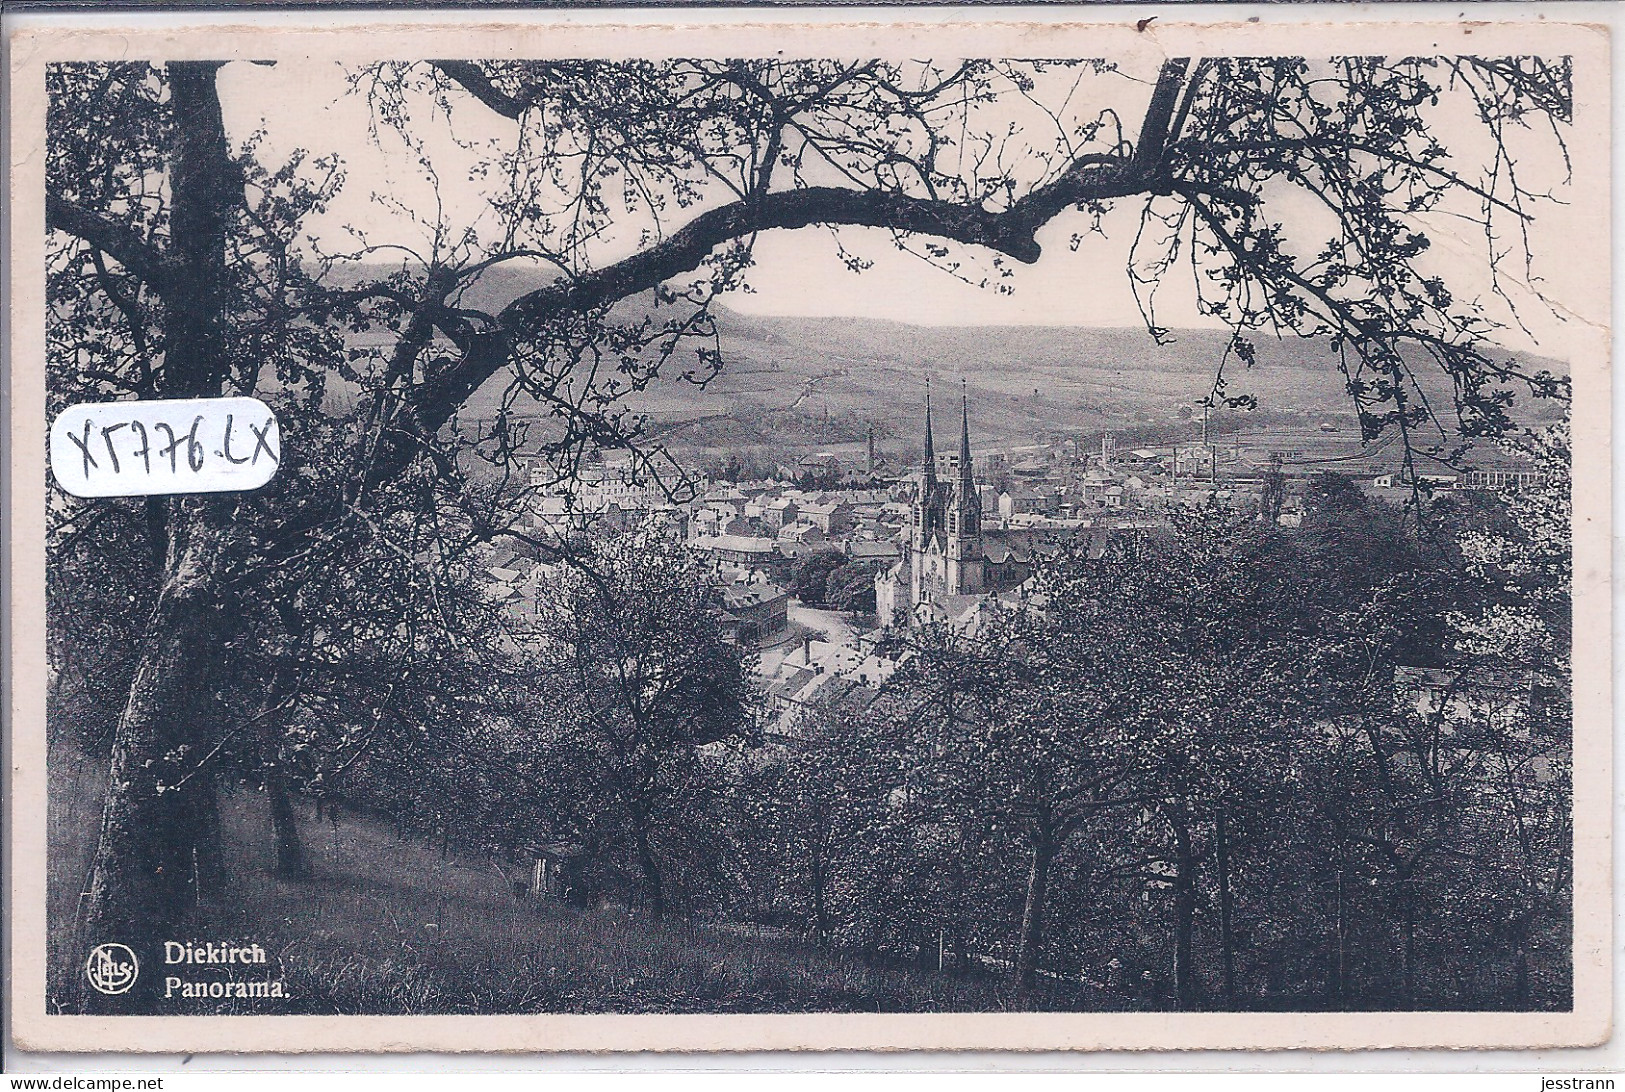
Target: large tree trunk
x=159 y=836
x=1337 y=984
x=820 y=881
x=1410 y=956
x=654 y=895
x=1185 y=987
x=208 y=848
x=291 y=860
x=1521 y=929
x=1032 y=917
x=158 y=850
x=1227 y=937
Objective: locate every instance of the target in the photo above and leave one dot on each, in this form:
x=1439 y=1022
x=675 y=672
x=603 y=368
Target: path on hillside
x=809 y=385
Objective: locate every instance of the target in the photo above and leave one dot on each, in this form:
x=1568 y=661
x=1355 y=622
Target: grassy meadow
x=391 y=926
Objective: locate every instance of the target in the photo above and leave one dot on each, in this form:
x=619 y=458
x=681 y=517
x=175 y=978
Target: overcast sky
x=796 y=273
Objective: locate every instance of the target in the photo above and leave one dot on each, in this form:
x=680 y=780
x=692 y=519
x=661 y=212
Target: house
x=753 y=611
x=823 y=675
x=1028 y=500
x=1033 y=466
x=788 y=553
x=802 y=532
x=821 y=464
x=831 y=517
x=1503 y=479
x=739 y=549
x=705 y=523
x=1142 y=458
x=723 y=493
x=879 y=552
x=776 y=513
x=1459 y=698
x=1194 y=461
x=1094 y=485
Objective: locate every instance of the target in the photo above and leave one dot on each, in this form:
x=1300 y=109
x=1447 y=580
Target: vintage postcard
x=732 y=530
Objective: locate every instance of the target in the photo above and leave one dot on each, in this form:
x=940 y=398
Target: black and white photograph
x=774 y=525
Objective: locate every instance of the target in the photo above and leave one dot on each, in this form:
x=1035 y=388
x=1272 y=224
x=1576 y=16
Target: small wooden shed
x=556 y=873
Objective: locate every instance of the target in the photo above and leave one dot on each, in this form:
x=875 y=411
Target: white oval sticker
x=186 y=445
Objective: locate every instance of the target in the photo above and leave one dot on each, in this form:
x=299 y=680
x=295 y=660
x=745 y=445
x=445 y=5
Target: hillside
x=389 y=925
x=823 y=381
x=796 y=382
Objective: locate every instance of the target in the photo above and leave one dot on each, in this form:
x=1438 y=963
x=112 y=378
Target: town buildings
x=945 y=541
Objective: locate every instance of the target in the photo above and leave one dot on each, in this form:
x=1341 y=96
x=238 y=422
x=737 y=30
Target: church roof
x=860 y=549
x=1000 y=554
x=750 y=544
x=741 y=596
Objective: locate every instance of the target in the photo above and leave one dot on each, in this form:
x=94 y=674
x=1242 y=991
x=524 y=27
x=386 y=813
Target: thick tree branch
x=1009 y=232
x=118 y=241
x=1012 y=231
x=472 y=78
x=1154 y=131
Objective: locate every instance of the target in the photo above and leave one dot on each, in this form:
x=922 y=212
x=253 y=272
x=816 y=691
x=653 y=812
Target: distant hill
x=801 y=383
x=793 y=383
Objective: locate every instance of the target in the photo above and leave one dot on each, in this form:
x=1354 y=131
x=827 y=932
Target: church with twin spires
x=948 y=564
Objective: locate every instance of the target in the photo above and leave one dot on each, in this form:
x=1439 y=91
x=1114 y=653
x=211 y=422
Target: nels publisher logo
x=111 y=968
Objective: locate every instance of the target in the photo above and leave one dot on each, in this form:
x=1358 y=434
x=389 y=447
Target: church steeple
x=965 y=507
x=930 y=471
x=966 y=479
x=930 y=516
